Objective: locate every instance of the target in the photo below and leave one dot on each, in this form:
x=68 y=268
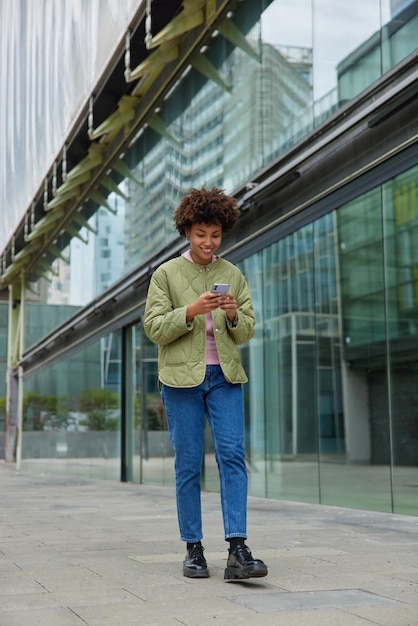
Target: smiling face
x=205 y=240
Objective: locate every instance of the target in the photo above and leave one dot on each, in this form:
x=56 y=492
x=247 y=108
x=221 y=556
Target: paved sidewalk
x=74 y=552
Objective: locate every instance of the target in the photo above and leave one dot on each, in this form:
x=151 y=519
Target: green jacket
x=181 y=345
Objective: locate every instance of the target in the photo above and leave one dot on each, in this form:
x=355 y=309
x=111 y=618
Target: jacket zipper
x=205 y=274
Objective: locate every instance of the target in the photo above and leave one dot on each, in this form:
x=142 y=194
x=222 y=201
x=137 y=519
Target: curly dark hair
x=208 y=207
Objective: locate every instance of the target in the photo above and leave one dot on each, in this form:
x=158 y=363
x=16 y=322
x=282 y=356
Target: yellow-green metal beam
x=179 y=25
x=205 y=67
x=81 y=221
x=46 y=223
x=120 y=166
x=109 y=183
x=68 y=190
x=93 y=159
x=97 y=197
x=156 y=123
x=125 y=113
x=14 y=268
x=74 y=232
x=15 y=346
x=55 y=251
x=62 y=198
x=167 y=52
x=28 y=249
x=230 y=31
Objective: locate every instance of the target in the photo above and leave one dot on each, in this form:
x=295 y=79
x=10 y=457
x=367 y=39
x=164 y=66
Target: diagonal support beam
x=108 y=182
x=81 y=221
x=97 y=197
x=63 y=198
x=178 y=26
x=93 y=159
x=124 y=114
x=46 y=267
x=205 y=67
x=14 y=268
x=231 y=32
x=156 y=123
x=69 y=228
x=46 y=223
x=161 y=56
x=54 y=250
x=68 y=190
x=120 y=166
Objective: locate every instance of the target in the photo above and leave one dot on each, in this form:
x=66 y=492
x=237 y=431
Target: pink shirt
x=211 y=351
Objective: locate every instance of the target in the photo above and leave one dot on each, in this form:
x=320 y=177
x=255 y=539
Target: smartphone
x=221 y=288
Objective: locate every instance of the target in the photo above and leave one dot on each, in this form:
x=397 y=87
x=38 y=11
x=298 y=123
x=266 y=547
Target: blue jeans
x=186 y=408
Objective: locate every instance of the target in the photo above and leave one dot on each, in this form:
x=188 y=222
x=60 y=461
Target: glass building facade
x=288 y=106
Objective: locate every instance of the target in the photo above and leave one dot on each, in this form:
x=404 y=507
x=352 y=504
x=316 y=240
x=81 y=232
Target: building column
x=15 y=344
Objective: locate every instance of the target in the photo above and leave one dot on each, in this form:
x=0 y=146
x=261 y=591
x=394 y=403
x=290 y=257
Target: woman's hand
x=205 y=303
x=208 y=302
x=229 y=305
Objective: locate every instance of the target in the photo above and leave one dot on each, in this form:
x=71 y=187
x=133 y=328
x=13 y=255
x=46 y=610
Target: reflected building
x=260 y=118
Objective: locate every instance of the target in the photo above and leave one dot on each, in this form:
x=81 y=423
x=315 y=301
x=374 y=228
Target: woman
x=200 y=373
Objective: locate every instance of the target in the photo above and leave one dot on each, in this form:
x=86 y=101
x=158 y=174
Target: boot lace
x=244 y=554
x=196 y=552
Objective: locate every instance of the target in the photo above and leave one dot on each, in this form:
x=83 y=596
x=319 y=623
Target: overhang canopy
x=58 y=209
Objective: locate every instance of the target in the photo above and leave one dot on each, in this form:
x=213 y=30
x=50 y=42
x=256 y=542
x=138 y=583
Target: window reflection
x=71 y=414
x=328 y=419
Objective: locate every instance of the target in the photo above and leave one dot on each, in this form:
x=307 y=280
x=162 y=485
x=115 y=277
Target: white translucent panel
x=52 y=54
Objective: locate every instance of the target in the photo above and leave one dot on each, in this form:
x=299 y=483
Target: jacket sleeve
x=163 y=323
x=243 y=327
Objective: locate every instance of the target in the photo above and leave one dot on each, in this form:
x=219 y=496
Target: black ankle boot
x=241 y=564
x=194 y=565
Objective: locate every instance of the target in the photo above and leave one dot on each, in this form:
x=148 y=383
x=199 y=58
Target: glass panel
x=401 y=276
x=319 y=382
x=328 y=349
x=71 y=414
x=286 y=30
x=41 y=318
x=346 y=51
x=154 y=457
x=399 y=33
x=255 y=397
x=282 y=446
x=366 y=481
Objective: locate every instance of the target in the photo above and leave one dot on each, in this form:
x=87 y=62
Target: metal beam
x=205 y=67
x=156 y=123
x=167 y=52
x=124 y=114
x=189 y=18
x=230 y=31
x=15 y=341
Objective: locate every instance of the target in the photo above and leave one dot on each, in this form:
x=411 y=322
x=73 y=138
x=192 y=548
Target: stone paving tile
x=390 y=615
x=338 y=598
x=34 y=617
